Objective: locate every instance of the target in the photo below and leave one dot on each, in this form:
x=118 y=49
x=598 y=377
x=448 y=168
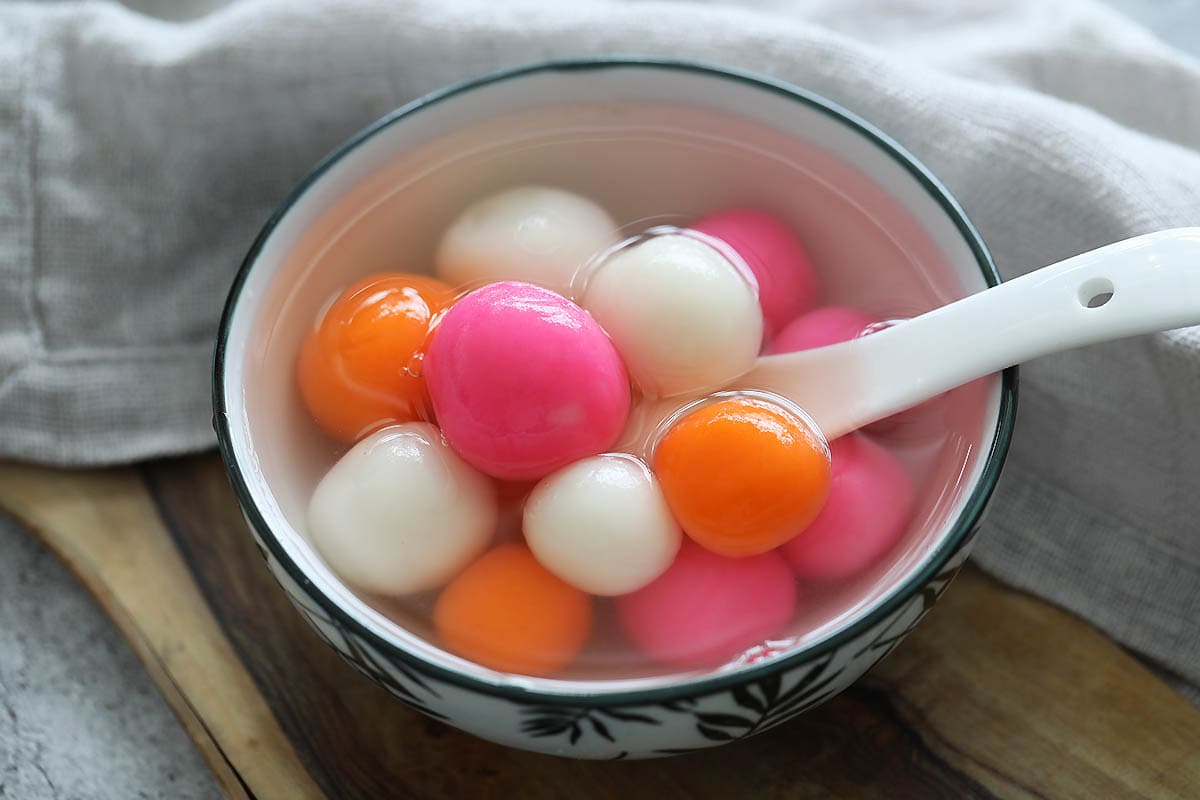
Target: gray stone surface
x=78 y=717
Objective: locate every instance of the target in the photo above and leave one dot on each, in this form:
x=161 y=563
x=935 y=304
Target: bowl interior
x=652 y=143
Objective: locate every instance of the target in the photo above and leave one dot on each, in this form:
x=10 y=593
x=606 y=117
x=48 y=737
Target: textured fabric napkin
x=139 y=156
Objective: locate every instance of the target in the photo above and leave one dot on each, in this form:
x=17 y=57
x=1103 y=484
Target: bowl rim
x=960 y=530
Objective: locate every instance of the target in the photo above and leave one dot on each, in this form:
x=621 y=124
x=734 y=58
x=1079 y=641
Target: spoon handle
x=1140 y=285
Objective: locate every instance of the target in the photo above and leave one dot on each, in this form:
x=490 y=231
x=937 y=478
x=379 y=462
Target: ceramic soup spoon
x=1141 y=285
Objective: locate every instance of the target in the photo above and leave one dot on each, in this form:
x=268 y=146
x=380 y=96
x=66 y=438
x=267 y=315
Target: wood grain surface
x=995 y=695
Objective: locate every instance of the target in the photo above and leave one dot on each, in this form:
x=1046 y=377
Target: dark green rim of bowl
x=957 y=537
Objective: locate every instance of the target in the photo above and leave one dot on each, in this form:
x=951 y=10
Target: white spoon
x=1141 y=285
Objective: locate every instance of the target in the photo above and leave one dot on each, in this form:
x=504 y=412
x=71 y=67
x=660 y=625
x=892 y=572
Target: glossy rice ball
x=787 y=283
x=742 y=476
x=683 y=316
x=821 y=328
x=524 y=382
x=508 y=612
x=400 y=512
x=534 y=234
x=353 y=370
x=870 y=503
x=706 y=609
x=602 y=525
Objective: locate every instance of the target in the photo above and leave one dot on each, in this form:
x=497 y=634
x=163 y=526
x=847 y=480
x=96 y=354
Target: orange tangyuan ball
x=743 y=476
x=508 y=612
x=354 y=369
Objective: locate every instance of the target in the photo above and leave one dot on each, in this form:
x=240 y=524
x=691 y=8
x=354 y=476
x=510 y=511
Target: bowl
x=868 y=204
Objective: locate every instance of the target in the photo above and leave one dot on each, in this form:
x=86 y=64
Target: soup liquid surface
x=646 y=165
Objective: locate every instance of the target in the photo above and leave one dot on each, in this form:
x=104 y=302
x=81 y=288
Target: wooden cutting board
x=995 y=695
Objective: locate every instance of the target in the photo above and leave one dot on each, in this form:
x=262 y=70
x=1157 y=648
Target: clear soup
x=647 y=164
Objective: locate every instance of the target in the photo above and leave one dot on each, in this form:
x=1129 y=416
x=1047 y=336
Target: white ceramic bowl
x=593 y=718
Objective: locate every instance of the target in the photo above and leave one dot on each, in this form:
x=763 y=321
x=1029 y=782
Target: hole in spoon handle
x=1095 y=292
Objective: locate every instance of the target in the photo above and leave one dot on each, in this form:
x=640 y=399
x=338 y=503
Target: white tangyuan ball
x=535 y=234
x=681 y=314
x=400 y=512
x=602 y=525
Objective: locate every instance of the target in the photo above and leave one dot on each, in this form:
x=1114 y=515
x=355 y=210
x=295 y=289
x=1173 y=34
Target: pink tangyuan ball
x=787 y=283
x=820 y=328
x=706 y=608
x=870 y=503
x=523 y=381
